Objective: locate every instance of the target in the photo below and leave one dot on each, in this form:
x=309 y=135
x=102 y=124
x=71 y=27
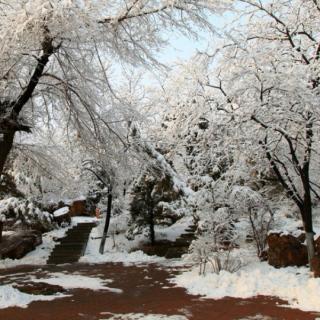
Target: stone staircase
x=172 y=249
x=73 y=245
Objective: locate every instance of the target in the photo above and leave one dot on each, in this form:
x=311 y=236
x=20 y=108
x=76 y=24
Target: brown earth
x=146 y=289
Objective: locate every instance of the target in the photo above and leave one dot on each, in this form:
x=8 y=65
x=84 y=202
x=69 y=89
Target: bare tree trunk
x=1 y=229
x=308 y=228
x=10 y=124
x=107 y=223
x=151 y=226
x=6 y=143
x=310 y=247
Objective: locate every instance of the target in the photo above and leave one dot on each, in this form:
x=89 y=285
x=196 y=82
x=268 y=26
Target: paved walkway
x=146 y=290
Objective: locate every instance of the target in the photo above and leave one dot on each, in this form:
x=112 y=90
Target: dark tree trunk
x=6 y=143
x=106 y=226
x=151 y=226
x=150 y=213
x=306 y=214
x=1 y=229
x=10 y=125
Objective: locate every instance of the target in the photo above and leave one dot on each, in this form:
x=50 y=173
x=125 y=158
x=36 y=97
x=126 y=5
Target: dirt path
x=145 y=290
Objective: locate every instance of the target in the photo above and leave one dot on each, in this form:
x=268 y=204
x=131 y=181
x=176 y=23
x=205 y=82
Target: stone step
x=63 y=258
x=187 y=236
x=73 y=239
x=72 y=246
x=68 y=251
x=71 y=243
x=182 y=242
x=65 y=255
x=75 y=233
x=62 y=261
x=176 y=252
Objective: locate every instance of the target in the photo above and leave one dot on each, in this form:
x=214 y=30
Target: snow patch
x=141 y=316
x=116 y=250
x=292 y=284
x=11 y=297
x=61 y=212
x=136 y=257
x=77 y=281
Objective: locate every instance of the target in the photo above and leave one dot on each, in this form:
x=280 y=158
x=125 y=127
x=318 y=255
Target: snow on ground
x=173 y=232
x=117 y=249
x=76 y=281
x=11 y=297
x=141 y=316
x=292 y=284
x=80 y=219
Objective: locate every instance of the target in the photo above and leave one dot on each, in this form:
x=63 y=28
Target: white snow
x=11 y=297
x=76 y=281
x=61 y=212
x=80 y=219
x=141 y=316
x=292 y=284
x=173 y=232
x=127 y=258
x=117 y=249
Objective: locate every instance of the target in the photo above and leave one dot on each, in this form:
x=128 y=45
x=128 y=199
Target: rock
x=302 y=237
x=315 y=266
x=39 y=288
x=62 y=216
x=79 y=208
x=286 y=250
x=17 y=245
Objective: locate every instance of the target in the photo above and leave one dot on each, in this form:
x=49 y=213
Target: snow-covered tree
x=266 y=78
x=56 y=56
x=261 y=85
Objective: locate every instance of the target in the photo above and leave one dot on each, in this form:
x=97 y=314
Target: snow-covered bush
x=218 y=226
x=204 y=251
x=24 y=214
x=216 y=239
x=249 y=202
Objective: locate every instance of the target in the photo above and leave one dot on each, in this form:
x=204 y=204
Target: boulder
x=17 y=245
x=82 y=207
x=286 y=250
x=62 y=216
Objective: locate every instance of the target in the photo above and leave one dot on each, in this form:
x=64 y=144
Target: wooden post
x=106 y=226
